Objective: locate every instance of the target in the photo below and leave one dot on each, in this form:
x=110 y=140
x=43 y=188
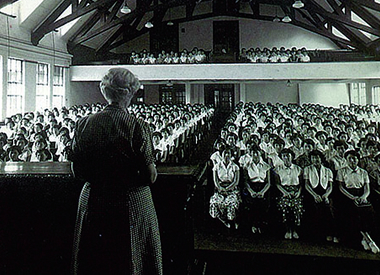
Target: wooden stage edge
x=64 y=169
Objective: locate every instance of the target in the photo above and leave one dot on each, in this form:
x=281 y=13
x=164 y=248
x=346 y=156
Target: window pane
x=15 y=91
x=58 y=86
x=42 y=87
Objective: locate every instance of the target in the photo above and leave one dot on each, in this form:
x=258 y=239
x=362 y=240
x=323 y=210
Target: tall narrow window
x=59 y=87
x=42 y=89
x=16 y=87
x=376 y=95
x=358 y=93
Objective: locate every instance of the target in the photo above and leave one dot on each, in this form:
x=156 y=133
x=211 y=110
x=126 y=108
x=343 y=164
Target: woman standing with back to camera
x=116 y=229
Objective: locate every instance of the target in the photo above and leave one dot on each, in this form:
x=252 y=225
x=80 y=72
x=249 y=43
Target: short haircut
x=317 y=153
x=287 y=151
x=352 y=153
x=338 y=143
x=118 y=83
x=309 y=141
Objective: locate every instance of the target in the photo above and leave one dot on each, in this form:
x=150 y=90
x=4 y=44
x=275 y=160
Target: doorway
x=222 y=98
x=225 y=41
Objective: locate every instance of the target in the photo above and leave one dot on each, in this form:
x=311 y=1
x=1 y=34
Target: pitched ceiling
x=350 y=24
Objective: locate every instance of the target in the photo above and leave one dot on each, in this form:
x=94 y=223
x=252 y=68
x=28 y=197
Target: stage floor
x=241 y=253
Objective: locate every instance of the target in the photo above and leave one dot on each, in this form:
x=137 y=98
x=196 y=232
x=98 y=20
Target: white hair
x=119 y=84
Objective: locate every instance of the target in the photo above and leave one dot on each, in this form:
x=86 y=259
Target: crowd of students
x=184 y=57
x=274 y=55
x=177 y=129
x=306 y=165
x=47 y=135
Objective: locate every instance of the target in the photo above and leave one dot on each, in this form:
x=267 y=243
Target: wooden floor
x=233 y=252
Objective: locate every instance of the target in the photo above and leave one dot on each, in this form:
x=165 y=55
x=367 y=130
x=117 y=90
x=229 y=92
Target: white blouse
x=353 y=178
x=216 y=157
x=226 y=173
x=288 y=175
x=323 y=177
x=258 y=172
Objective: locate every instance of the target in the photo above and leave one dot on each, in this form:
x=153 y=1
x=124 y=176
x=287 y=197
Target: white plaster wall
x=85 y=92
x=138 y=44
x=271 y=92
x=253 y=33
x=329 y=94
x=264 y=34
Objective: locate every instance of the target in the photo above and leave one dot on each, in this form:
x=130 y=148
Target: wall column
x=30 y=86
x=188 y=92
x=242 y=92
x=4 y=85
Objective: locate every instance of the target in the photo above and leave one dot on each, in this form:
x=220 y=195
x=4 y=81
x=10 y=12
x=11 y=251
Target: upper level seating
x=274 y=55
x=184 y=57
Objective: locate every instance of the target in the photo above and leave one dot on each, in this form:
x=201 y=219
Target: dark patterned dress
x=116 y=229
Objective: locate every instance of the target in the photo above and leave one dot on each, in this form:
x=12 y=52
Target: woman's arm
x=217 y=181
x=235 y=181
x=152 y=172
x=309 y=189
x=363 y=198
x=345 y=192
x=266 y=186
x=328 y=191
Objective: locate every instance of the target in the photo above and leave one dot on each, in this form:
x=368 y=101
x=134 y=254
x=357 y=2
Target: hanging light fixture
x=149 y=25
x=170 y=22
x=125 y=9
x=169 y=83
x=286 y=19
x=298 y=4
x=276 y=18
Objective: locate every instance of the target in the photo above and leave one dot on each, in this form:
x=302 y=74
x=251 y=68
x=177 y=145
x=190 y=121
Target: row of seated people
x=41 y=136
x=47 y=136
x=274 y=55
x=176 y=129
x=322 y=164
x=184 y=57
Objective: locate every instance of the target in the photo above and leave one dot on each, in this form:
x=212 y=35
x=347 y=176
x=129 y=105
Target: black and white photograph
x=189 y=137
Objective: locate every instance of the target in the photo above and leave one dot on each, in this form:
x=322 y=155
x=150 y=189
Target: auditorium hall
x=260 y=117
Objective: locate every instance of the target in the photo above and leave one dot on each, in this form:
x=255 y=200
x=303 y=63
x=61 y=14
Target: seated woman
x=287 y=179
x=354 y=207
x=219 y=146
x=226 y=199
x=256 y=185
x=160 y=150
x=14 y=154
x=319 y=205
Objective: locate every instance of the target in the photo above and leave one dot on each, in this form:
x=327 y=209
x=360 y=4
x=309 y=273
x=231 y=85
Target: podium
x=38 y=204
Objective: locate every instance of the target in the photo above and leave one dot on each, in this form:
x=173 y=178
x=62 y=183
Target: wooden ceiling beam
x=314 y=20
x=312 y=6
x=114 y=11
x=45 y=26
x=369 y=4
x=74 y=4
x=356 y=39
x=190 y=7
x=255 y=7
x=86 y=26
x=365 y=15
x=324 y=33
x=49 y=24
x=125 y=19
x=335 y=6
x=107 y=42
